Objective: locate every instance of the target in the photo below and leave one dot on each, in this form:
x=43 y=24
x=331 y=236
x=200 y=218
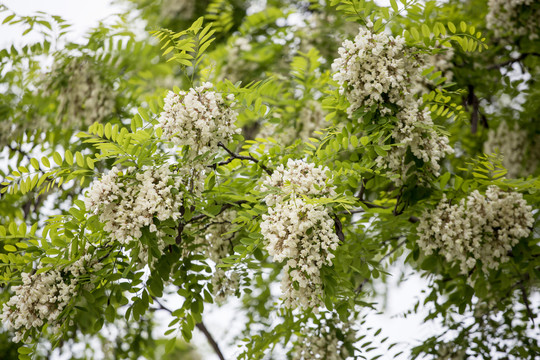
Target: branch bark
x=210 y=339
x=511 y=61
x=201 y=327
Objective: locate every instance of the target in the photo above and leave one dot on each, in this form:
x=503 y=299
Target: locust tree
x=282 y=155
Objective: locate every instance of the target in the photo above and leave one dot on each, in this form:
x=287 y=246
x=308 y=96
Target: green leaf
x=8 y=18
x=364 y=140
x=444 y=179
x=57 y=158
x=394 y=5
x=10 y=248
x=425 y=31
x=80 y=159
x=24 y=350
x=34 y=163
x=45 y=162
x=354 y=141
x=69 y=157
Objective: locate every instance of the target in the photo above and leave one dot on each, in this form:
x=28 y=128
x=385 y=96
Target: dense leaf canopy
x=280 y=155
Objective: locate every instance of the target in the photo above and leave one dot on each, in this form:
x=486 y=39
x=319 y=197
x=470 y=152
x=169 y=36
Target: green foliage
x=272 y=66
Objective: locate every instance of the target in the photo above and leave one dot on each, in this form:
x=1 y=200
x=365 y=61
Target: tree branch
x=210 y=339
x=473 y=100
x=511 y=61
x=526 y=302
x=364 y=282
x=241 y=157
x=339 y=228
x=201 y=327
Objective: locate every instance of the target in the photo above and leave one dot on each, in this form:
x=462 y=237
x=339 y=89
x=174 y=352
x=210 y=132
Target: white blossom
x=512 y=144
x=199 y=118
x=299 y=233
x=311 y=118
x=224 y=284
x=322 y=342
x=212 y=239
x=415 y=131
x=235 y=66
x=440 y=61
x=182 y=9
x=42 y=297
x=506 y=17
x=298 y=177
x=480 y=228
x=83 y=97
x=128 y=202
x=376 y=68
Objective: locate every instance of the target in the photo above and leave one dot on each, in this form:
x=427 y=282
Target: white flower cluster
x=511 y=144
x=41 y=298
x=126 y=203
x=323 y=342
x=83 y=98
x=415 y=129
x=183 y=9
x=298 y=232
x=224 y=284
x=235 y=67
x=300 y=178
x=213 y=241
x=479 y=228
x=506 y=17
x=376 y=68
x=450 y=351
x=311 y=118
x=199 y=118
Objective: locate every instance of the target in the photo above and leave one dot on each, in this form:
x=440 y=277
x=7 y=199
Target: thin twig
x=413 y=219
x=511 y=61
x=364 y=282
x=241 y=157
x=526 y=302
x=201 y=327
x=210 y=339
x=473 y=100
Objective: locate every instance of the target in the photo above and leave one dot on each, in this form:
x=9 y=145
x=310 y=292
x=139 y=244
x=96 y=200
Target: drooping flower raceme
x=300 y=178
x=212 y=240
x=374 y=69
x=311 y=118
x=480 y=228
x=506 y=17
x=325 y=341
x=512 y=144
x=83 y=97
x=302 y=235
x=298 y=232
x=415 y=129
x=199 y=118
x=127 y=202
x=42 y=297
x=224 y=284
x=235 y=66
x=379 y=69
